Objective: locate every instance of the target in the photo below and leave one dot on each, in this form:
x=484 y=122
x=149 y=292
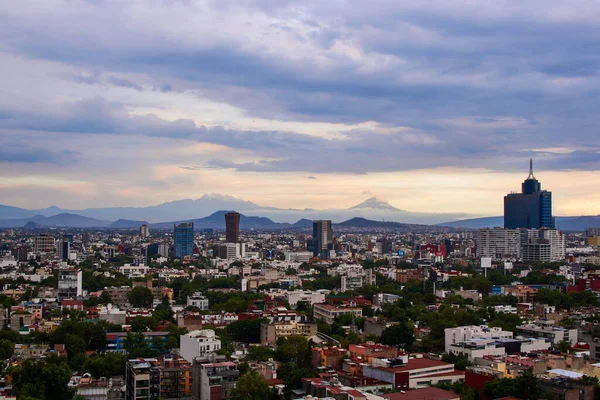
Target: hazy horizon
x=435 y=107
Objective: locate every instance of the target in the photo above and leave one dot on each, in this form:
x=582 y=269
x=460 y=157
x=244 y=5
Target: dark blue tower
x=532 y=208
x=184 y=239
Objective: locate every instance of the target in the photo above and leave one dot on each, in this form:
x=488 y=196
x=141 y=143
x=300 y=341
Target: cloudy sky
x=435 y=106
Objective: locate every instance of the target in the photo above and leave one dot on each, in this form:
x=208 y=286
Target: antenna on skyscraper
x=531 y=169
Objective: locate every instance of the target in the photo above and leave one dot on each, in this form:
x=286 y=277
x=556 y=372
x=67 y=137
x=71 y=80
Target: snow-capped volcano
x=375 y=203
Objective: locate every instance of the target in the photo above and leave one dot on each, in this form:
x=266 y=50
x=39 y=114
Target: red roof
x=423 y=394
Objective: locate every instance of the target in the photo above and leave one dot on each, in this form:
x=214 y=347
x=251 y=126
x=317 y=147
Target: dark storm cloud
x=20 y=152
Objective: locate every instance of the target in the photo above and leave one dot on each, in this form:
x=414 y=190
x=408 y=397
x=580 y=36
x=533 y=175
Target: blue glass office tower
x=184 y=239
x=532 y=208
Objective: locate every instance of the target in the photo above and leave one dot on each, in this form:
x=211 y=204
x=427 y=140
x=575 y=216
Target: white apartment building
x=199 y=343
x=466 y=333
x=545 y=329
x=542 y=245
x=308 y=296
x=499 y=243
x=328 y=313
x=198 y=300
x=134 y=271
x=298 y=256
x=70 y=282
x=355 y=280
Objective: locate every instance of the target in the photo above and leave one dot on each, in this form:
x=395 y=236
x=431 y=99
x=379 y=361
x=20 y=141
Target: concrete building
x=355 y=280
x=544 y=245
x=467 y=333
x=199 y=343
x=545 y=329
x=144 y=231
x=118 y=295
x=270 y=332
x=44 y=244
x=198 y=300
x=412 y=373
x=175 y=377
x=70 y=283
x=112 y=314
x=142 y=380
x=298 y=256
x=499 y=243
x=214 y=379
x=307 y=296
x=134 y=271
x=228 y=251
x=328 y=313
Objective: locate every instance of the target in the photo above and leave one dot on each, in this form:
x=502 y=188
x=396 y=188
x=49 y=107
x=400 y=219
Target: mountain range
x=207 y=212
x=187 y=209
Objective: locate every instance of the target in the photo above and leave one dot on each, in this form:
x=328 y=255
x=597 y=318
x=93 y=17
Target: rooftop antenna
x=531 y=169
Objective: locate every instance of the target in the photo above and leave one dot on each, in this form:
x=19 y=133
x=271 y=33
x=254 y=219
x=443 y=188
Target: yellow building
x=593 y=241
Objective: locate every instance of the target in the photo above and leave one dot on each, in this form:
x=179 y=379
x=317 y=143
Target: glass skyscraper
x=184 y=239
x=531 y=209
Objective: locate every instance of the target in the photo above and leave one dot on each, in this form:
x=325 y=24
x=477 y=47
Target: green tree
x=46 y=380
x=247 y=331
x=140 y=296
x=252 y=385
x=401 y=334
x=7 y=349
x=293 y=348
x=105 y=298
x=259 y=353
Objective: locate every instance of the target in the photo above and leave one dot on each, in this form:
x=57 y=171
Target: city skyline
x=435 y=108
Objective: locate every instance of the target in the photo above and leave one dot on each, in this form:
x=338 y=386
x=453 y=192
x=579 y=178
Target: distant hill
x=61 y=220
x=303 y=223
x=476 y=223
x=126 y=224
x=578 y=223
x=217 y=221
x=359 y=222
x=573 y=224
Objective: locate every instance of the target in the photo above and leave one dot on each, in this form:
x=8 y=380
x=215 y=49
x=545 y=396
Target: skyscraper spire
x=531 y=169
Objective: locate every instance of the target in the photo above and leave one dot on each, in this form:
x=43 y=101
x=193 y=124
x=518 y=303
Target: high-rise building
x=542 y=245
x=499 y=243
x=64 y=246
x=532 y=208
x=232 y=227
x=322 y=240
x=142 y=379
x=144 y=231
x=70 y=283
x=43 y=243
x=184 y=239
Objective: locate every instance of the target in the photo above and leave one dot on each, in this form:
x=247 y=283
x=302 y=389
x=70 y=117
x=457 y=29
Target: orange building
x=327 y=357
x=367 y=351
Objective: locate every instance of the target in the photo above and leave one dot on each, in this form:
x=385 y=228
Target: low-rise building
x=545 y=329
x=270 y=332
x=467 y=333
x=199 y=343
x=198 y=300
x=413 y=373
x=328 y=313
